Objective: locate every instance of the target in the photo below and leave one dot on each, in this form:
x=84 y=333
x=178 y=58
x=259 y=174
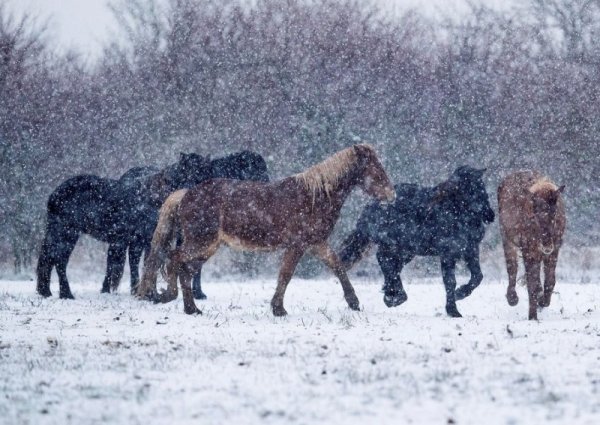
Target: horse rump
x=164 y=235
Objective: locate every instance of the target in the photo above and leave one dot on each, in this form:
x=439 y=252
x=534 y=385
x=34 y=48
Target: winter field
x=113 y=359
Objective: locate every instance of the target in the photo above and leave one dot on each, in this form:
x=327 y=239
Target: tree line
x=297 y=80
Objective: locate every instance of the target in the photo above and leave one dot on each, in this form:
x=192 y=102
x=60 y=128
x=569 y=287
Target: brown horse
x=297 y=214
x=532 y=219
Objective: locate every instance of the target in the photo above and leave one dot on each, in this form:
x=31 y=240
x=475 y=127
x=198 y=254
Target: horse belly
x=249 y=232
x=244 y=244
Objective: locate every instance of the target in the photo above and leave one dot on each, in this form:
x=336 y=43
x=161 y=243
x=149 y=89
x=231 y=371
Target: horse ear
x=481 y=171
x=182 y=156
x=561 y=188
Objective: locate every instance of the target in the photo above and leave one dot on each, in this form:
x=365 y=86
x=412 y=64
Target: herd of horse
x=179 y=216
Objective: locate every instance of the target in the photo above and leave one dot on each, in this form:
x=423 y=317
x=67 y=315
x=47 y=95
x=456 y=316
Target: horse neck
x=332 y=198
x=158 y=187
x=345 y=184
x=167 y=175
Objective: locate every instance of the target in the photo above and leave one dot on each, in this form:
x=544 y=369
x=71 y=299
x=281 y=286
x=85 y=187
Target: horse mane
x=545 y=189
x=325 y=175
x=542 y=184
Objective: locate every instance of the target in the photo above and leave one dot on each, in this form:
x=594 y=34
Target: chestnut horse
x=532 y=219
x=297 y=214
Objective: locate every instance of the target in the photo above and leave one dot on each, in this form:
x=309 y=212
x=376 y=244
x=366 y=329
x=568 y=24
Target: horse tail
x=164 y=234
x=354 y=247
x=362 y=237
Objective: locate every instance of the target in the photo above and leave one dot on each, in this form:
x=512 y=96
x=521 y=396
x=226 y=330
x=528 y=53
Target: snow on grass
x=114 y=359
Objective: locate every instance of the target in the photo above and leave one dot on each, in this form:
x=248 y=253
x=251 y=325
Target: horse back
x=244 y=165
x=79 y=190
x=253 y=214
x=399 y=223
x=93 y=205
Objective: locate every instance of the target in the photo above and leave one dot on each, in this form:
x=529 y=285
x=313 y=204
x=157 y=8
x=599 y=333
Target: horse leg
x=290 y=260
x=184 y=269
x=115 y=262
x=331 y=260
x=147 y=294
x=183 y=259
x=135 y=254
x=171 y=292
x=532 y=275
x=48 y=255
x=549 y=278
x=472 y=260
x=64 y=252
x=44 y=272
x=106 y=282
x=512 y=266
x=185 y=278
x=197 y=287
x=448 y=265
x=391 y=265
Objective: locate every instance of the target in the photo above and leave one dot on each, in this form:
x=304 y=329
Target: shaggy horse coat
x=532 y=220
x=296 y=214
x=124 y=212
x=446 y=221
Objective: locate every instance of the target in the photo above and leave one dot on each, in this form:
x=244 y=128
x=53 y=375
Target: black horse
x=446 y=221
x=123 y=212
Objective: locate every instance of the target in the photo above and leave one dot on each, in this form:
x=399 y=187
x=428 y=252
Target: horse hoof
x=395 y=299
x=279 y=311
x=199 y=295
x=45 y=293
x=543 y=302
x=166 y=297
x=192 y=310
x=148 y=296
x=512 y=299
x=354 y=306
x=67 y=296
x=453 y=313
x=462 y=293
x=353 y=303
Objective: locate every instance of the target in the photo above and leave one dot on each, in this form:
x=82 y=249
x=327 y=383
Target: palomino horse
x=297 y=214
x=532 y=219
x=447 y=220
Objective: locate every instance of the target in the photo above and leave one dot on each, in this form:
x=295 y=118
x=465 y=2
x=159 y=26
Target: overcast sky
x=86 y=24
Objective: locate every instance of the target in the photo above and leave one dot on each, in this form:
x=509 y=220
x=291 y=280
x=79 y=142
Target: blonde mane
x=325 y=176
x=543 y=184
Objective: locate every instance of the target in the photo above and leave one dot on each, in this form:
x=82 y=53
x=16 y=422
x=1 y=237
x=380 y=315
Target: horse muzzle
x=546 y=250
x=389 y=195
x=489 y=217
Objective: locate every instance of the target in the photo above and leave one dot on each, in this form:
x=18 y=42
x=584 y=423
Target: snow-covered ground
x=113 y=359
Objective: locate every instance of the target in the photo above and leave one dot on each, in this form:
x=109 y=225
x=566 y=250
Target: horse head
x=252 y=166
x=190 y=170
x=544 y=199
x=466 y=185
x=373 y=179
